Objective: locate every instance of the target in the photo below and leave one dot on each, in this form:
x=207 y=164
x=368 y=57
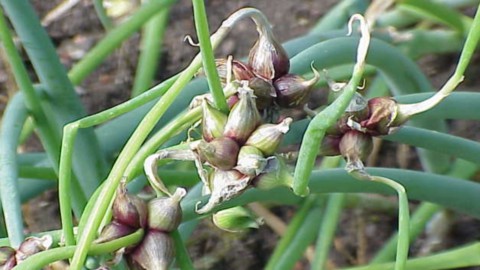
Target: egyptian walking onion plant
x=235 y=134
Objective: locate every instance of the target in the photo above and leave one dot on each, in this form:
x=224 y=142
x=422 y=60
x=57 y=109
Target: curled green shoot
x=326 y=118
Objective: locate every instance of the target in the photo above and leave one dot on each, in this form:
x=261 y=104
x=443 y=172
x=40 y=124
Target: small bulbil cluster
x=352 y=135
x=238 y=148
x=158 y=218
x=10 y=257
x=267 y=74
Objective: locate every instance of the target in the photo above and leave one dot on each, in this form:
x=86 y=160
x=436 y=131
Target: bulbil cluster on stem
x=238 y=148
x=158 y=218
x=352 y=135
x=267 y=73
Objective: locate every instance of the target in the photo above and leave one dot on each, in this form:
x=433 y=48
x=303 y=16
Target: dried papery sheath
x=128 y=209
x=220 y=153
x=7 y=258
x=263 y=91
x=224 y=185
x=235 y=219
x=114 y=231
x=213 y=121
x=240 y=70
x=165 y=213
x=155 y=252
x=382 y=113
x=250 y=161
x=355 y=146
x=33 y=245
x=243 y=118
x=268 y=137
x=358 y=107
x=278 y=175
x=267 y=57
x=293 y=90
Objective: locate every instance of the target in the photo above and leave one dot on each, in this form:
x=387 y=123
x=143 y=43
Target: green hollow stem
x=41 y=259
x=403 y=242
x=452 y=259
x=290 y=233
x=113 y=39
x=182 y=257
x=422 y=215
x=326 y=118
x=14 y=116
x=136 y=140
x=64 y=186
x=330 y=219
x=208 y=59
x=70 y=132
x=304 y=236
x=50 y=138
x=151 y=50
x=327 y=230
x=444 y=192
x=33 y=172
x=438 y=142
x=102 y=15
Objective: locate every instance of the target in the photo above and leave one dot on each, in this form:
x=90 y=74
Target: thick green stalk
x=444 y=192
x=151 y=50
x=183 y=259
x=327 y=230
x=64 y=187
x=14 y=116
x=302 y=239
x=113 y=39
x=208 y=59
x=438 y=142
x=42 y=259
x=48 y=135
x=326 y=118
x=330 y=218
x=45 y=173
x=452 y=259
x=295 y=224
x=403 y=241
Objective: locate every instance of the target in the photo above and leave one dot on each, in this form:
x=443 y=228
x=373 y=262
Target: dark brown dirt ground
x=79 y=30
